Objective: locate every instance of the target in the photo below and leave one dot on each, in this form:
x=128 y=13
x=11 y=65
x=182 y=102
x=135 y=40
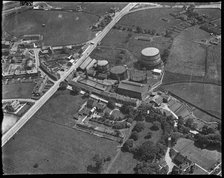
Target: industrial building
x=150 y=57
x=132 y=89
x=85 y=64
x=102 y=65
x=118 y=73
x=138 y=76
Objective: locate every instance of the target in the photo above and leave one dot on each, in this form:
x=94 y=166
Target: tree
x=128 y=145
x=97 y=164
x=134 y=136
x=154 y=127
x=125 y=109
x=180 y=120
x=139 y=29
x=146 y=152
x=148 y=135
x=189 y=122
x=63 y=85
x=111 y=104
x=153 y=32
x=207 y=130
x=75 y=90
x=147 y=168
x=139 y=127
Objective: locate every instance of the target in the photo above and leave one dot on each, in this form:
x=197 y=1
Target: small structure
x=157 y=72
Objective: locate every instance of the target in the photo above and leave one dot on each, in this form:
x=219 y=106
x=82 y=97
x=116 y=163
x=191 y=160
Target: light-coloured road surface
x=19 y=99
x=6 y=137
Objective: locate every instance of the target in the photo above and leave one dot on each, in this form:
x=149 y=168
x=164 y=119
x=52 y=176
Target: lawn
x=61 y=27
x=205 y=96
x=50 y=146
x=211 y=13
x=204 y=158
x=17 y=90
x=186 y=56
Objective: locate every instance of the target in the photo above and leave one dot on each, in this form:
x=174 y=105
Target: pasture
x=49 y=145
x=61 y=28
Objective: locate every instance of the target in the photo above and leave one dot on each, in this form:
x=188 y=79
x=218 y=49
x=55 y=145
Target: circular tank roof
x=150 y=51
x=118 y=69
x=102 y=62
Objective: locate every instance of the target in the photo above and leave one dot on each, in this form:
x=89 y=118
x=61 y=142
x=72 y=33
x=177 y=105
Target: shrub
x=134 y=136
x=139 y=127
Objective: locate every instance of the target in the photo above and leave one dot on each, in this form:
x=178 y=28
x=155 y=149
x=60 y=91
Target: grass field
x=205 y=96
x=151 y=19
x=97 y=8
x=124 y=163
x=214 y=62
x=47 y=144
x=61 y=27
x=204 y=158
x=19 y=90
x=186 y=56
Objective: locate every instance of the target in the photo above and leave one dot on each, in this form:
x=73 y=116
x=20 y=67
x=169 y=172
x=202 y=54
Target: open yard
x=205 y=96
x=46 y=144
x=61 y=27
x=204 y=158
x=17 y=90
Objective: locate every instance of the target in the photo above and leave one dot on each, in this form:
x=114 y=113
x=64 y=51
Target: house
x=181 y=161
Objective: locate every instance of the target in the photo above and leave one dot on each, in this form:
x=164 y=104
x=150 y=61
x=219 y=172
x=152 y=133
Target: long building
x=132 y=89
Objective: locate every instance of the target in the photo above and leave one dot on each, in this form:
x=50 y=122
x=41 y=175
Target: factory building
x=132 y=89
x=118 y=73
x=85 y=64
x=150 y=57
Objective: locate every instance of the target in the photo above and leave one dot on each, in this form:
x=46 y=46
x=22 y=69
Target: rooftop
x=132 y=86
x=150 y=51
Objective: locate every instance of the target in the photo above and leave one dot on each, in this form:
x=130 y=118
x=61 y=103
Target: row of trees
x=136 y=29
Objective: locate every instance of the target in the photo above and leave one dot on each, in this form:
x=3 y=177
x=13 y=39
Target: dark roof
x=180 y=159
x=132 y=86
x=90 y=103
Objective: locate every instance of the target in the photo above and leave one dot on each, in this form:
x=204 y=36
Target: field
x=150 y=19
x=21 y=90
x=186 y=56
x=204 y=158
x=214 y=63
x=50 y=145
x=8 y=121
x=124 y=163
x=97 y=8
x=61 y=27
x=205 y=96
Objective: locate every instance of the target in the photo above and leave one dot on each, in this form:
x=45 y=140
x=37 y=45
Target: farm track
x=192 y=81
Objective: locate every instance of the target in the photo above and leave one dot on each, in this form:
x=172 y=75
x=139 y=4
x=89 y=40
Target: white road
x=6 y=137
x=19 y=99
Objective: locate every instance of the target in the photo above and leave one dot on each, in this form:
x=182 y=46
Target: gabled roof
x=132 y=86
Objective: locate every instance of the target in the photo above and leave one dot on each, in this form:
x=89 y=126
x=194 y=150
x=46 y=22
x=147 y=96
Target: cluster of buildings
x=16 y=61
x=91 y=117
